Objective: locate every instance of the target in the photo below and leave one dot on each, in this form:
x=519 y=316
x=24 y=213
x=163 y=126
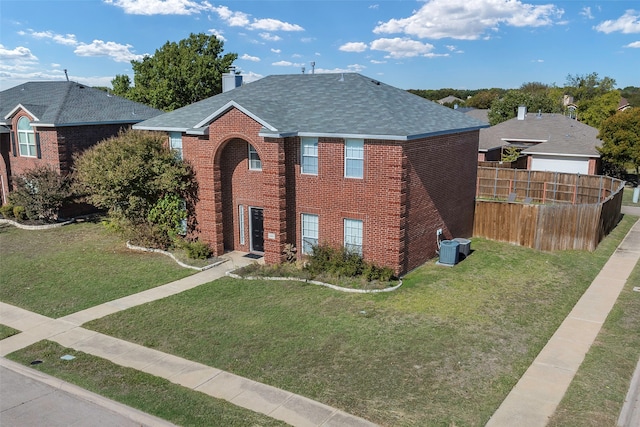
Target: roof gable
x=322 y=104
x=64 y=103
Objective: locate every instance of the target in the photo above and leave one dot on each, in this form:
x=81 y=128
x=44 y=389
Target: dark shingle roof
x=322 y=104
x=552 y=133
x=63 y=103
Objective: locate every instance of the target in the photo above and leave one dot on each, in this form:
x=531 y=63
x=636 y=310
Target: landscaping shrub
x=7 y=211
x=19 y=213
x=341 y=262
x=197 y=250
x=42 y=191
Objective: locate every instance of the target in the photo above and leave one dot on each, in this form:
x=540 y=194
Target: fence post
x=544 y=192
x=495 y=185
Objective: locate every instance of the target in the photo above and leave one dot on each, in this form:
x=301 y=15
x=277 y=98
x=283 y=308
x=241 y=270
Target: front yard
x=445 y=349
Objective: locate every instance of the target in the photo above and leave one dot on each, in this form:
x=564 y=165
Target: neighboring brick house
x=551 y=142
x=327 y=158
x=46 y=123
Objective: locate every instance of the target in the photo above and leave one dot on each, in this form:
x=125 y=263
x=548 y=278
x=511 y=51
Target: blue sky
x=432 y=44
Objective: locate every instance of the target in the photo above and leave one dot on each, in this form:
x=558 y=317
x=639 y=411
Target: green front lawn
x=443 y=350
x=67 y=269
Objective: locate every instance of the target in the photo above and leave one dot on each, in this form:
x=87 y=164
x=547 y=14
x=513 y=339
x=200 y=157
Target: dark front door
x=257 y=230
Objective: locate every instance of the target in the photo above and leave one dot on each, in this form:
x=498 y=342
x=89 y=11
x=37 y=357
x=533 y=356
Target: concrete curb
x=35 y=227
x=128 y=412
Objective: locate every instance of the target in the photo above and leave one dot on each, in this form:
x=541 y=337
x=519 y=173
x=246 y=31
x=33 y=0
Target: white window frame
x=175 y=143
x=255 y=164
x=26 y=138
x=353 y=152
x=309 y=150
x=309 y=226
x=353 y=235
x=241 y=223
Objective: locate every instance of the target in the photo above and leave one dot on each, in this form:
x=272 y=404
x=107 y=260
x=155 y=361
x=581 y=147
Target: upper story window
x=175 y=142
x=309 y=154
x=354 y=158
x=26 y=138
x=255 y=164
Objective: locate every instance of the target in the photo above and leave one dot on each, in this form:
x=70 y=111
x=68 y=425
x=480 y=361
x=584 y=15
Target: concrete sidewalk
x=535 y=397
x=67 y=331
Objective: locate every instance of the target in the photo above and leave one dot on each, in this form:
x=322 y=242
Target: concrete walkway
x=535 y=397
x=67 y=331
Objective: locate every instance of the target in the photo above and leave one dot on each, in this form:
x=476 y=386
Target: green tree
x=620 y=135
x=483 y=99
x=42 y=191
x=595 y=111
x=121 y=85
x=179 y=74
x=584 y=87
x=137 y=179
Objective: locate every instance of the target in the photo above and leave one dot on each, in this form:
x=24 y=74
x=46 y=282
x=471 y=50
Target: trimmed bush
x=19 y=213
x=341 y=262
x=42 y=191
x=197 y=250
x=7 y=211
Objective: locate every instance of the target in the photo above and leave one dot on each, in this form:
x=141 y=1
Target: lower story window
x=353 y=235
x=309 y=232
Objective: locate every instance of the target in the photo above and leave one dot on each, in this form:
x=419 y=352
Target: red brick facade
x=57 y=145
x=408 y=191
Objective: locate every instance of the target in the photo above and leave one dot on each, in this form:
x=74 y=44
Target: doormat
x=253 y=256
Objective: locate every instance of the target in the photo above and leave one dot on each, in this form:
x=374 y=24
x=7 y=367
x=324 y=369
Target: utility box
x=464 y=247
x=449 y=254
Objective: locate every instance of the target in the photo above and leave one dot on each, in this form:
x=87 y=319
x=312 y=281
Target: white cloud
x=20 y=53
x=537 y=60
x=353 y=47
x=270 y=37
x=218 y=34
x=241 y=19
x=287 y=64
x=117 y=52
x=586 y=12
x=375 y=61
x=402 y=47
x=469 y=20
x=629 y=23
x=66 y=39
x=276 y=50
x=159 y=7
x=247 y=57
x=634 y=45
x=353 y=68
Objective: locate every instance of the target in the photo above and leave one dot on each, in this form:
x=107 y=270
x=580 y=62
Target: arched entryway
x=242 y=207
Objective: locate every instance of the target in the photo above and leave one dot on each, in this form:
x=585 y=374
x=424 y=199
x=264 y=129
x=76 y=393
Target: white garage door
x=560 y=164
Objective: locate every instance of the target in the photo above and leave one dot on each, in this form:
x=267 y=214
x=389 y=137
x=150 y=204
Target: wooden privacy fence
x=546 y=210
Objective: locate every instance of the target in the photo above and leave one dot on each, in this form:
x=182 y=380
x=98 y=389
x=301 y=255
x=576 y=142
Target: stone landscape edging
x=170 y=255
x=35 y=227
x=315 y=282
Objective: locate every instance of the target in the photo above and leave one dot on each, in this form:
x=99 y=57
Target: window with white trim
x=309 y=155
x=353 y=235
x=309 y=233
x=175 y=142
x=255 y=164
x=26 y=138
x=354 y=158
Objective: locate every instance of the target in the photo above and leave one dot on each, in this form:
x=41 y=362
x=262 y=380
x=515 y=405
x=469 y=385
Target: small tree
x=620 y=135
x=42 y=191
x=141 y=183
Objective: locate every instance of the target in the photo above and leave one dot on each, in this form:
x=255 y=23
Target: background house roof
x=551 y=134
x=340 y=105
x=63 y=103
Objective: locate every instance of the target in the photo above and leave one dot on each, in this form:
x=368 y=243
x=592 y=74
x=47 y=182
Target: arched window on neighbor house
x=26 y=138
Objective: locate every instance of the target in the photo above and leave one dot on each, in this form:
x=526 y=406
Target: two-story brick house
x=46 y=123
x=327 y=158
